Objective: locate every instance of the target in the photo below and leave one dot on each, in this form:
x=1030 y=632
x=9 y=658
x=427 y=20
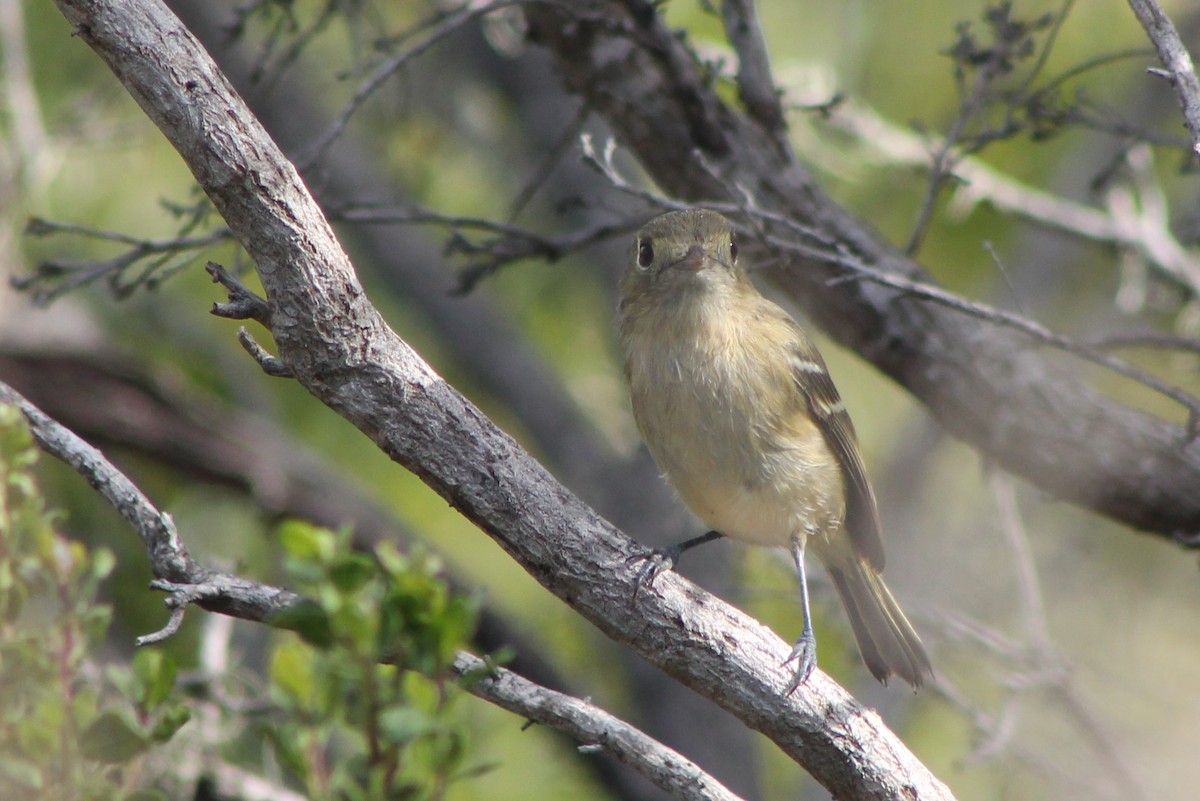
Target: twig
x=1049 y=667
x=453 y=21
x=243 y=304
x=1146 y=339
x=1175 y=58
x=510 y=244
x=71 y=275
x=1032 y=603
x=270 y=365
x=976 y=182
x=554 y=154
x=594 y=728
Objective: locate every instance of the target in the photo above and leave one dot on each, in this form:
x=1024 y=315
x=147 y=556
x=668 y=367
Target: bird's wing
x=825 y=404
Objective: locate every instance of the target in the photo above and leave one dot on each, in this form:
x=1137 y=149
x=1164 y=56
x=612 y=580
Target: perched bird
x=738 y=410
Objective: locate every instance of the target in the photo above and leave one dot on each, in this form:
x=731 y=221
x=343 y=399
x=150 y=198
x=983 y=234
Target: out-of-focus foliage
x=70 y=726
x=362 y=701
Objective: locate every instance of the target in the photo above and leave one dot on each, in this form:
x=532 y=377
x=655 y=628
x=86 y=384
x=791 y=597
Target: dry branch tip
x=243 y=304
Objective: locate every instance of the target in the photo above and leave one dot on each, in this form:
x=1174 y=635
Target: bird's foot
x=804 y=654
x=653 y=562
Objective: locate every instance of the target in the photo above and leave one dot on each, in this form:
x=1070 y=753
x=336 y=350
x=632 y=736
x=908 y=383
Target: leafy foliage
x=364 y=695
x=68 y=728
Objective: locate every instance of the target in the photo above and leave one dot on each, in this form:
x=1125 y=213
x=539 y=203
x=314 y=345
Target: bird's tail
x=886 y=639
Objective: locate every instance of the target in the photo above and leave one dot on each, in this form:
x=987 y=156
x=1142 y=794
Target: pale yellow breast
x=719 y=411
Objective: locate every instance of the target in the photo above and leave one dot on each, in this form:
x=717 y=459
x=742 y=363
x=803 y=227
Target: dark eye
x=645 y=253
x=732 y=249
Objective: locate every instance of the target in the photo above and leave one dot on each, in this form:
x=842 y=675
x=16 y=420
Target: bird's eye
x=732 y=249
x=645 y=254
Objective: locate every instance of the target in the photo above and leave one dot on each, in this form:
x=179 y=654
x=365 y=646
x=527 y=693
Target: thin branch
x=1180 y=70
x=169 y=559
x=554 y=154
x=1037 y=331
x=509 y=244
x=1147 y=339
x=1048 y=667
x=976 y=182
x=270 y=365
x=453 y=20
x=242 y=304
x=1037 y=630
x=593 y=728
x=53 y=279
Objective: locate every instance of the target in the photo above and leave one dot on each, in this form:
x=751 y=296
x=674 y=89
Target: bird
x=739 y=412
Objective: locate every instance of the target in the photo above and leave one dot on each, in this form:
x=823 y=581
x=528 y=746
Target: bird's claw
x=654 y=562
x=804 y=653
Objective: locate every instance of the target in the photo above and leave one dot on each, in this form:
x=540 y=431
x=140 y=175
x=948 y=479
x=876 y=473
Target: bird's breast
x=720 y=413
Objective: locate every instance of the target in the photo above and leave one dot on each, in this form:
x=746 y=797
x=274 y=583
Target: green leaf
x=351 y=571
x=110 y=738
x=155 y=673
x=103 y=563
x=306 y=542
x=402 y=724
x=292 y=672
x=171 y=721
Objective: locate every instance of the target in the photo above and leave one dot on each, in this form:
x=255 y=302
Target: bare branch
x=243 y=304
x=169 y=560
x=269 y=364
x=159 y=258
x=1142 y=228
x=593 y=728
x=1180 y=70
x=1015 y=321
x=508 y=244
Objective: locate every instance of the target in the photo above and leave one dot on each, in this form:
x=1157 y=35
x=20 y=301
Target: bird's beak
x=692 y=261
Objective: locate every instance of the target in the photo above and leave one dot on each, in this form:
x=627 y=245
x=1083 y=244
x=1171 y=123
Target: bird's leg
x=805 y=649
x=661 y=559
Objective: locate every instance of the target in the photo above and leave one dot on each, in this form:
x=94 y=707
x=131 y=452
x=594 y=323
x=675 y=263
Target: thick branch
x=340 y=349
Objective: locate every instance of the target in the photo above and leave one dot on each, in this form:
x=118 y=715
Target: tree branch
x=594 y=728
x=340 y=349
x=173 y=568
x=1180 y=70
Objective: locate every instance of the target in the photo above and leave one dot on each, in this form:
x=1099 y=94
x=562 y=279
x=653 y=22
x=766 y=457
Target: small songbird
x=738 y=410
